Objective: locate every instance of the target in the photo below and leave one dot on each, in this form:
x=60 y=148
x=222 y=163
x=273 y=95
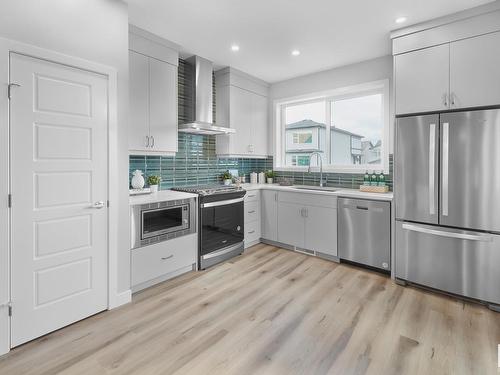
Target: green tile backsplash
x=196 y=163
x=340 y=180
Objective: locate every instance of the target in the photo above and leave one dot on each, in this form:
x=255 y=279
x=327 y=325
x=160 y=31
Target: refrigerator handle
x=432 y=165
x=461 y=236
x=446 y=154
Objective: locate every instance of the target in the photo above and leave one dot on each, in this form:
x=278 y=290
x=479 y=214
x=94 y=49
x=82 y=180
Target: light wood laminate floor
x=273 y=311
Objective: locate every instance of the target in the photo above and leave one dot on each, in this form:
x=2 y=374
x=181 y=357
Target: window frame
x=365 y=89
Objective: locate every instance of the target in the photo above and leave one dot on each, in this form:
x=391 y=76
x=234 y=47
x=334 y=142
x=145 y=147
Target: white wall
x=367 y=71
x=95 y=30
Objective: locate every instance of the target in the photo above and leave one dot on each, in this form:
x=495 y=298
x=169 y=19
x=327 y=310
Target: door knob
x=98 y=205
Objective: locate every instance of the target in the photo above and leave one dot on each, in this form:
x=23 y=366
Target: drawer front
x=252 y=211
x=252 y=196
x=308 y=199
x=162 y=258
x=456 y=261
x=252 y=232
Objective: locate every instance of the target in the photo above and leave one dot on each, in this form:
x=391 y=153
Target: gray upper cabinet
x=163 y=106
x=422 y=80
x=242 y=105
x=153 y=97
x=139 y=101
x=447 y=64
x=475 y=71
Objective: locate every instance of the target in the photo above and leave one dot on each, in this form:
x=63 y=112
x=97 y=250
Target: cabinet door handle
x=251 y=232
x=362 y=208
x=452 y=97
x=168 y=257
x=445 y=100
x=251 y=212
x=306 y=211
x=153 y=141
x=147 y=141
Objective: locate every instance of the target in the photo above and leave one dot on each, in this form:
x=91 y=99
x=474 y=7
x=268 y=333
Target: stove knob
x=238 y=228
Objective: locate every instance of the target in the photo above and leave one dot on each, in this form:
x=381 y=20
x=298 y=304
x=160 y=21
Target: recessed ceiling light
x=400 y=19
x=295 y=52
x=235 y=48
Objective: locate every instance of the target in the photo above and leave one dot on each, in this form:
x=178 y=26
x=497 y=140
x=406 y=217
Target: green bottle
x=366 y=179
x=381 y=179
x=373 y=179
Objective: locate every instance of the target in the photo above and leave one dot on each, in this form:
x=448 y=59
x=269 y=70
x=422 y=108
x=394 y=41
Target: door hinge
x=9 y=89
x=9 y=200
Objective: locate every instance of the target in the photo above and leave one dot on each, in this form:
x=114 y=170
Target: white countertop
x=350 y=193
x=162 y=195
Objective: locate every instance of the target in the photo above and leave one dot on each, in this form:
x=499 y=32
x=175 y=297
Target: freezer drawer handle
x=461 y=236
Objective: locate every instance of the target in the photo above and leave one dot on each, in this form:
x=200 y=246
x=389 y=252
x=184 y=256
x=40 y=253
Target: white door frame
x=114 y=297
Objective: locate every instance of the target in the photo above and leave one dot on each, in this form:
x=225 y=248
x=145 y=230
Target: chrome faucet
x=320 y=159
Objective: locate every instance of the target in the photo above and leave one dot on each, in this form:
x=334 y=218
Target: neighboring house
x=302 y=138
x=346 y=147
x=371 y=152
x=307 y=136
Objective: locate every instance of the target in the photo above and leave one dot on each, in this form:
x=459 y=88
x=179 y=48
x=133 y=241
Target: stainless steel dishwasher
x=364 y=232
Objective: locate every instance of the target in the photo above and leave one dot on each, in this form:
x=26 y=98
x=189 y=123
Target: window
x=300 y=160
x=359 y=122
x=302 y=138
x=347 y=127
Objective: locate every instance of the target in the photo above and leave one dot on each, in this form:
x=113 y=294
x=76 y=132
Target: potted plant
x=227 y=177
x=153 y=182
x=270 y=175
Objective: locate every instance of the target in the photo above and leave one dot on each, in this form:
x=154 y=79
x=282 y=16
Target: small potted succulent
x=153 y=182
x=227 y=178
x=270 y=175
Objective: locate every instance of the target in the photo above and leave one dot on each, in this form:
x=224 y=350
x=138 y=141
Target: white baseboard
x=120 y=299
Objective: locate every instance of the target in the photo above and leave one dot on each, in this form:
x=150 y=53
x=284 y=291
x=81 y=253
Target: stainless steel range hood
x=201 y=112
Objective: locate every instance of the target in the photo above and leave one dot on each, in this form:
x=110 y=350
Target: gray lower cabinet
x=321 y=230
x=269 y=212
x=308 y=221
x=291 y=224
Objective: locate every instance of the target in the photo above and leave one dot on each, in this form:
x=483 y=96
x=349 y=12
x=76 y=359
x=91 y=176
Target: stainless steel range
x=221 y=222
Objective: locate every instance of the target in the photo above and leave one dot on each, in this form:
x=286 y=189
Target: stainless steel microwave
x=161 y=221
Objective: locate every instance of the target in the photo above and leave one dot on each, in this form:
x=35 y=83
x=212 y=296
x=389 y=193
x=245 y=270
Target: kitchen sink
x=317 y=188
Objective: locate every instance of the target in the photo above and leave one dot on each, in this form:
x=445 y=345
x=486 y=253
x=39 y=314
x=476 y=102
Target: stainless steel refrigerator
x=447 y=196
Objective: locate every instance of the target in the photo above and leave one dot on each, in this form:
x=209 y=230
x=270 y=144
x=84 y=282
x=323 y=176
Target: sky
x=360 y=115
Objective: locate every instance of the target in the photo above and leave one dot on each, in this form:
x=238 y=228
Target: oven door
x=221 y=224
x=158 y=221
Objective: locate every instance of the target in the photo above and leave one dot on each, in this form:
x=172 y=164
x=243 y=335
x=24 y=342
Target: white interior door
x=59 y=252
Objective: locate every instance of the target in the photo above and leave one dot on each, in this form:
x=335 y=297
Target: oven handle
x=221 y=203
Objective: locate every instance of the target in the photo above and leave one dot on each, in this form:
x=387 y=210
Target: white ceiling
x=328 y=33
